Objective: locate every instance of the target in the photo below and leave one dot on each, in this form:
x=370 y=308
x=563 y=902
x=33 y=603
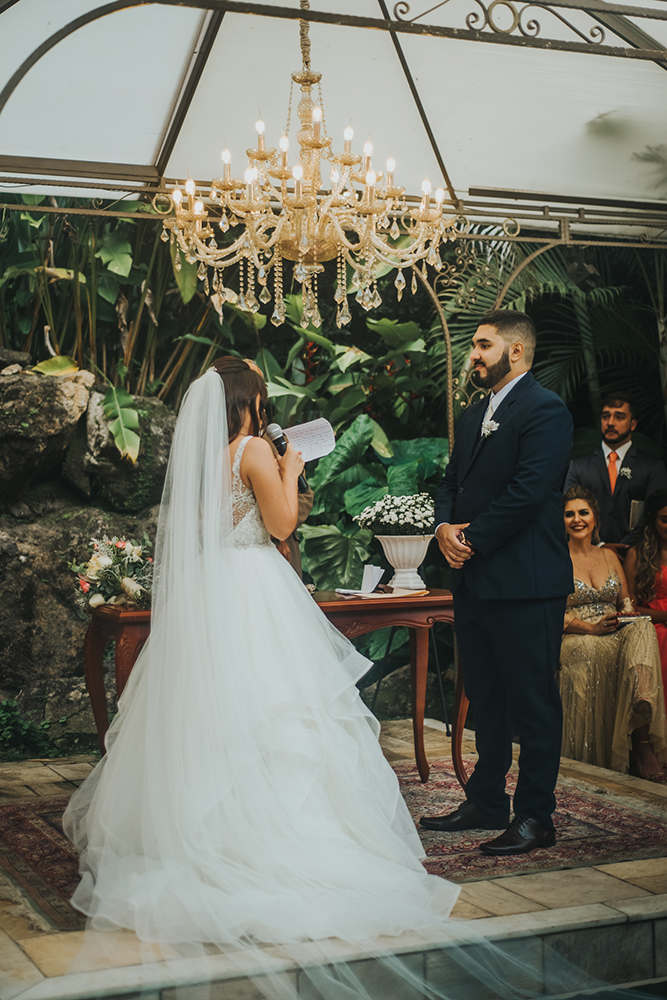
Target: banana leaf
x=119 y=409
x=58 y=365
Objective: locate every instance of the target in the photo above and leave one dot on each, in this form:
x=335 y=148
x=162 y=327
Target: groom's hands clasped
x=455 y=551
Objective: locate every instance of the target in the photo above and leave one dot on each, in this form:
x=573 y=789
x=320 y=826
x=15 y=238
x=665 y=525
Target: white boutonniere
x=488 y=427
x=625 y=471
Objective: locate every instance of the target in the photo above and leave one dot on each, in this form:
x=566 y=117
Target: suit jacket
x=647 y=474
x=509 y=487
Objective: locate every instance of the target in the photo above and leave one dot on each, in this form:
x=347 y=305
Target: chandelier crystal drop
x=278 y=212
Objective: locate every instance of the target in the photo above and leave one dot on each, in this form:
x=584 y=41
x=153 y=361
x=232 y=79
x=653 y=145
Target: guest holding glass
x=609 y=675
x=646 y=568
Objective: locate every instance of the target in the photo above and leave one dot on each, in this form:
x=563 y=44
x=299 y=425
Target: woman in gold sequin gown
x=609 y=676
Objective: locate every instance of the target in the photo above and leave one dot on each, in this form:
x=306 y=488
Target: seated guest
x=609 y=676
x=617 y=472
x=646 y=570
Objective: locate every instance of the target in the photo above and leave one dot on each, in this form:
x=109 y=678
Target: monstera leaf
x=332 y=558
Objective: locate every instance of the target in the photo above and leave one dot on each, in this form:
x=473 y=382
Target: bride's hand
x=291 y=464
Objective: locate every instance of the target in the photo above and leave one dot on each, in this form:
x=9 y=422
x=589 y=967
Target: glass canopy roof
x=158 y=89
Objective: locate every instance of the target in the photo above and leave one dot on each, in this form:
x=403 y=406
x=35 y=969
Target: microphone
x=275 y=433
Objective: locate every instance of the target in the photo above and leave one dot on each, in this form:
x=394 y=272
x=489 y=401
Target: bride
x=243 y=795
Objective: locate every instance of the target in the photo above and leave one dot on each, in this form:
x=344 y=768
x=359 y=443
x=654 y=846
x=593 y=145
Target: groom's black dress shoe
x=521 y=836
x=466 y=817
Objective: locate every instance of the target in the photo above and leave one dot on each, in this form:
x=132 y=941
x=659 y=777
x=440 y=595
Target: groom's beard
x=494 y=373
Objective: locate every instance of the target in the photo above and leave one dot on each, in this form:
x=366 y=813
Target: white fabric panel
x=536 y=120
x=104 y=93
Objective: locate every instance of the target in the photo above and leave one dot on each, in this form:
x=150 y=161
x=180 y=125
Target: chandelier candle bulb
x=348 y=135
x=190 y=191
x=284 y=146
x=227 y=161
x=261 y=128
x=317 y=123
x=426 y=191
x=439 y=196
x=177 y=196
x=370 y=186
x=391 y=166
x=297 y=174
x=368 y=152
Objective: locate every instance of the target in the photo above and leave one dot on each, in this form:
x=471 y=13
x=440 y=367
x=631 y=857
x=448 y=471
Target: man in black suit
x=617 y=473
x=500 y=527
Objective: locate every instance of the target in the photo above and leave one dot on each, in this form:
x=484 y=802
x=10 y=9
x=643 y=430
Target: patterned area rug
x=592 y=830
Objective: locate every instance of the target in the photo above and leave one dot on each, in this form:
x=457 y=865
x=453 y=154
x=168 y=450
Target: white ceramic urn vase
x=406 y=554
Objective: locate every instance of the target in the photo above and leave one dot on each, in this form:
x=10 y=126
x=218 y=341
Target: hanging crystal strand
x=251 y=301
x=315 y=314
x=165 y=235
x=177 y=258
x=413 y=285
x=306 y=296
x=278 y=317
x=242 y=304
x=376 y=298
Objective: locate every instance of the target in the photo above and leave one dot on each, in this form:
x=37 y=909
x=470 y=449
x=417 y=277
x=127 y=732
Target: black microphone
x=275 y=433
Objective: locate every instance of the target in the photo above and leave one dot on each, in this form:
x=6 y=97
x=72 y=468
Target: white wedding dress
x=244 y=795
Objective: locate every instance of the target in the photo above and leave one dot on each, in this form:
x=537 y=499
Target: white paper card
x=314 y=439
x=371 y=578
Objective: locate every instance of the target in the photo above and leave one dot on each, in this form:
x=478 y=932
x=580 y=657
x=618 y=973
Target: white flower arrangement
x=119 y=572
x=409 y=515
x=489 y=426
x=625 y=471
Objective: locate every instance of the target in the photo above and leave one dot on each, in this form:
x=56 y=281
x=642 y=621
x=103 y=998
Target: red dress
x=659 y=603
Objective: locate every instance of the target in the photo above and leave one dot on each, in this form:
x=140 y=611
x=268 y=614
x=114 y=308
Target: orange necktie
x=613 y=471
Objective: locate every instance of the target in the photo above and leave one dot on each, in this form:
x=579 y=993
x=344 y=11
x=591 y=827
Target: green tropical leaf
x=393 y=333
x=350 y=450
x=380 y=443
x=332 y=558
x=59 y=365
x=363 y=495
x=107 y=287
x=402 y=479
x=186 y=277
x=120 y=410
x=346 y=356
x=116 y=253
x=432 y=451
x=330 y=497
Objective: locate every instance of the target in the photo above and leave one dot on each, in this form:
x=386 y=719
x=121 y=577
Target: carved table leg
x=460 y=712
x=93 y=653
x=418 y=676
x=128 y=647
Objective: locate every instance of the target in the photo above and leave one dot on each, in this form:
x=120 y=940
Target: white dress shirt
x=621 y=451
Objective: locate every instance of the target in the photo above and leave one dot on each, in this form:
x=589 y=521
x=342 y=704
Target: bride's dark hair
x=242 y=386
x=648 y=549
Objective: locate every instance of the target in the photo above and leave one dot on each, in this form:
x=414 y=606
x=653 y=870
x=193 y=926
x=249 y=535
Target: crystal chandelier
x=283 y=214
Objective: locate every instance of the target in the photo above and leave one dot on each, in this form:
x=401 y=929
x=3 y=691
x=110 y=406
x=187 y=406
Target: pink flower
x=85 y=586
x=120 y=545
x=148 y=559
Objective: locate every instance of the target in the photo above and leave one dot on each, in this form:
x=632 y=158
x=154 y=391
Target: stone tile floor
x=33 y=958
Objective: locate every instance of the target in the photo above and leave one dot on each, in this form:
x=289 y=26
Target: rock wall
x=62 y=482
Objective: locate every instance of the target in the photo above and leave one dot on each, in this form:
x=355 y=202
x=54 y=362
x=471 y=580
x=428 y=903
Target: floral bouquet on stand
x=404 y=526
x=119 y=572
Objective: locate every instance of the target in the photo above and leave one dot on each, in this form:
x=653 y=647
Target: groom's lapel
x=499 y=413
x=474 y=444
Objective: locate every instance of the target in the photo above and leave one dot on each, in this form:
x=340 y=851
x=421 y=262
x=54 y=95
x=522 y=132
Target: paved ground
x=632 y=893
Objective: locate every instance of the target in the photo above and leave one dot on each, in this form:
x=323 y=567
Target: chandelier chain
x=304 y=28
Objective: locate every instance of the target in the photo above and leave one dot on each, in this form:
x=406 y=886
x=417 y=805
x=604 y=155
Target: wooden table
x=353 y=617
x=356 y=616
x=130 y=629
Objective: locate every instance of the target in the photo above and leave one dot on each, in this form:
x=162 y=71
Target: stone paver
x=574 y=887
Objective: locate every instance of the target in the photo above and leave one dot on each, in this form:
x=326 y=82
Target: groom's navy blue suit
x=509 y=598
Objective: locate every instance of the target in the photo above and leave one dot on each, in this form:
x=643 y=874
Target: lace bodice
x=248 y=524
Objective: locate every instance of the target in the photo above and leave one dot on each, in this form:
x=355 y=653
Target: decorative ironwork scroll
x=522 y=19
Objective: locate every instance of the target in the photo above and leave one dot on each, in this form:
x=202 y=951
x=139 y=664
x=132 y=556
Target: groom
x=499 y=522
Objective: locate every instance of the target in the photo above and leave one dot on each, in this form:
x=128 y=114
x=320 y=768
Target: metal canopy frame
x=555 y=213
